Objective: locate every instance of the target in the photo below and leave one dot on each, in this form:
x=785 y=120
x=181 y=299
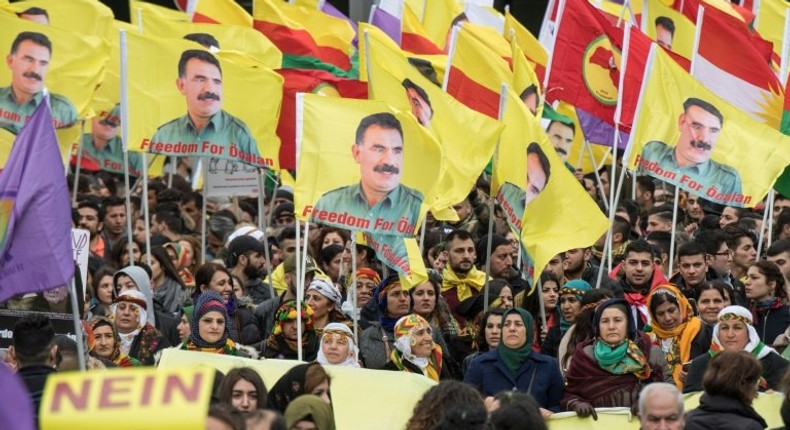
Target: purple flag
x=35 y=212
x=330 y=10
x=599 y=131
x=17 y=406
x=389 y=24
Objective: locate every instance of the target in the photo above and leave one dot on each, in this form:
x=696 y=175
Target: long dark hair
x=225 y=391
x=169 y=270
x=480 y=340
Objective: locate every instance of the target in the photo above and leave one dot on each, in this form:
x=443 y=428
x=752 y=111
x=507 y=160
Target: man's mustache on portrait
x=386 y=168
x=208 y=96
x=698 y=144
x=33 y=75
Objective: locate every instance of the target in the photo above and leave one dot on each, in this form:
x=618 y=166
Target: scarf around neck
x=466 y=287
x=622 y=359
x=514 y=358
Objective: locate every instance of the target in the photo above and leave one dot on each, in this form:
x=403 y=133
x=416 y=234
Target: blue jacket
x=489 y=374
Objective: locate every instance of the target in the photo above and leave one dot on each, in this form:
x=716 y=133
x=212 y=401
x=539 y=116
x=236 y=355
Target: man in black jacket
x=34 y=352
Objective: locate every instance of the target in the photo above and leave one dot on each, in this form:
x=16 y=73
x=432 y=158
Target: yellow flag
x=669 y=28
x=577 y=150
x=691 y=138
x=770 y=22
x=559 y=213
x=363 y=165
x=229 y=37
x=535 y=52
x=137 y=6
x=401 y=254
x=202 y=110
x=75 y=69
x=395 y=81
x=221 y=12
x=86 y=17
x=438 y=19
x=525 y=81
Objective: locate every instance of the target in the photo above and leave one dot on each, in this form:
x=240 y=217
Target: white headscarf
x=331 y=329
x=403 y=341
x=755 y=345
x=137 y=300
x=328 y=290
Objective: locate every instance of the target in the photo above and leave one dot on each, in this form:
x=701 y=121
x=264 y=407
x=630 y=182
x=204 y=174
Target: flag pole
x=450 y=55
x=771 y=222
x=75 y=184
x=263 y=227
x=560 y=12
x=487 y=286
x=125 y=139
x=299 y=282
x=353 y=288
x=673 y=232
x=605 y=199
x=300 y=291
x=75 y=315
x=146 y=211
x=544 y=25
x=203 y=216
x=769 y=202
x=785 y=47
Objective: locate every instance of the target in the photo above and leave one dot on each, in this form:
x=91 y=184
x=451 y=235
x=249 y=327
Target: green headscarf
x=515 y=358
x=312 y=407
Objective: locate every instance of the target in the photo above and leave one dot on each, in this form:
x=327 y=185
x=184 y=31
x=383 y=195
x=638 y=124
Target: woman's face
x=422 y=341
x=322 y=391
x=398 y=302
x=709 y=304
x=220 y=283
x=171 y=254
x=104 y=290
x=183 y=328
x=336 y=348
x=244 y=396
x=493 y=330
x=320 y=305
x=189 y=253
x=139 y=230
x=332 y=238
x=156 y=268
x=437 y=259
x=551 y=293
x=424 y=299
x=105 y=341
x=365 y=289
x=668 y=315
x=613 y=326
x=733 y=335
x=570 y=306
x=757 y=287
x=506 y=297
x=515 y=332
x=211 y=327
x=125 y=254
x=126 y=316
x=126 y=283
x=290 y=332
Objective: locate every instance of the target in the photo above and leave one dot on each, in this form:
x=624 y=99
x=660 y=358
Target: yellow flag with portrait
x=86 y=17
x=669 y=27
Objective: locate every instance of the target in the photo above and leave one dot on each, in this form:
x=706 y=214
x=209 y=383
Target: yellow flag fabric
x=438 y=20
x=109 y=92
x=577 y=149
x=76 y=67
x=67 y=138
x=682 y=41
x=164 y=12
x=491 y=38
x=130 y=398
x=221 y=12
x=389 y=409
x=449 y=120
x=358 y=171
x=525 y=81
x=158 y=119
x=230 y=37
x=535 y=52
x=691 y=138
x=87 y=17
x=559 y=213
x=770 y=22
x=402 y=254
x=417 y=8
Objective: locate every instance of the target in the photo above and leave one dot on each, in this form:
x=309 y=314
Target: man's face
x=576 y=259
x=463 y=209
x=501 y=261
x=638 y=269
x=287 y=248
x=745 y=254
x=115 y=219
x=556 y=266
x=663 y=37
x=783 y=261
x=536 y=177
x=661 y=412
x=693 y=208
x=190 y=208
x=202 y=88
x=255 y=265
x=561 y=137
x=722 y=261
x=531 y=102
x=39 y=18
x=419 y=107
x=693 y=269
x=380 y=159
x=656 y=223
x=729 y=216
x=779 y=206
x=462 y=255
x=103 y=131
x=699 y=130
x=28 y=68
x=89 y=220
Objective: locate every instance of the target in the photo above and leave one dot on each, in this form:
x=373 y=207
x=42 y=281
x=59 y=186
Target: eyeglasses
x=724 y=253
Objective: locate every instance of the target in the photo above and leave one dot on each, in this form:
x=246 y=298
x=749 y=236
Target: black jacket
x=35 y=378
x=723 y=413
x=772 y=323
x=774 y=367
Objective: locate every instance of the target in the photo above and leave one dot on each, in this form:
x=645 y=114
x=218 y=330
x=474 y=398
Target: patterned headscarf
x=342 y=332
x=287 y=312
x=208 y=301
x=404 y=330
x=576 y=287
x=755 y=346
x=328 y=290
x=366 y=273
x=117 y=357
x=137 y=300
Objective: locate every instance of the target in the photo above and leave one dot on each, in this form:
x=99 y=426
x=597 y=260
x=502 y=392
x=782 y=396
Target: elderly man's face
x=28 y=67
x=202 y=88
x=561 y=137
x=699 y=130
x=380 y=159
x=661 y=412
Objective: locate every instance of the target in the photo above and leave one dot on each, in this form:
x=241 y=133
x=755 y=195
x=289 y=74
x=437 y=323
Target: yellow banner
x=669 y=28
x=402 y=254
x=395 y=81
x=134 y=398
x=229 y=37
x=534 y=51
x=163 y=12
x=691 y=138
x=438 y=19
x=71 y=72
x=221 y=12
x=86 y=17
x=363 y=166
x=770 y=22
x=525 y=81
x=203 y=109
x=389 y=409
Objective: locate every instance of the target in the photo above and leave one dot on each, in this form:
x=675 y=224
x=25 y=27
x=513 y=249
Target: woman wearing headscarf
x=284 y=340
x=136 y=278
x=376 y=341
x=180 y=259
x=338 y=347
x=610 y=369
x=415 y=350
x=514 y=366
x=570 y=305
x=582 y=329
x=106 y=343
x=324 y=299
x=307 y=378
x=244 y=327
x=674 y=328
x=310 y=410
x=139 y=339
x=210 y=326
x=367 y=279
x=735 y=332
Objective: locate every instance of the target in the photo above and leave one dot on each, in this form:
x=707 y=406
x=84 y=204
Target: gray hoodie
x=140 y=278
